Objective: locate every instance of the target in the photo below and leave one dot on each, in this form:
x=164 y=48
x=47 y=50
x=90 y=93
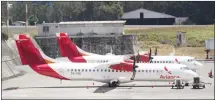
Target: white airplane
x=75 y=54
x=113 y=73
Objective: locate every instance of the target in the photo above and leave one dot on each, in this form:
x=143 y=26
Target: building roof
x=90 y=22
x=20 y=22
x=146 y=14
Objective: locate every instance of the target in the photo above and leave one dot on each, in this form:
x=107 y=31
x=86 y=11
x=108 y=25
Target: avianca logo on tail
x=167 y=70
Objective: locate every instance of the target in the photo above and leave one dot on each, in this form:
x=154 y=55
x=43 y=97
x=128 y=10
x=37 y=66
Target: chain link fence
x=99 y=44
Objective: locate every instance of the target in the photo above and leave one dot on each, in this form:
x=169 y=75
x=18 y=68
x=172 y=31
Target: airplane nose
x=198 y=64
x=193 y=74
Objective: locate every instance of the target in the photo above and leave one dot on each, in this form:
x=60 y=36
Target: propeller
x=134 y=68
x=156 y=51
x=150 y=56
x=138 y=57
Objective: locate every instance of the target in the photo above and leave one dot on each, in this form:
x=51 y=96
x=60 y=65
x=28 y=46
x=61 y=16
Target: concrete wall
x=10 y=59
x=99 y=44
x=84 y=27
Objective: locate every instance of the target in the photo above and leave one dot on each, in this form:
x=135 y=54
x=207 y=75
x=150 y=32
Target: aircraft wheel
x=110 y=85
x=194 y=87
x=203 y=86
x=186 y=84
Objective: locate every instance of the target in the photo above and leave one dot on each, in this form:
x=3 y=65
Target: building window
x=45 y=28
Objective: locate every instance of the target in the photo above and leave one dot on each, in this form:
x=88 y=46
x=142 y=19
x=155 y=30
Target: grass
x=195 y=35
x=164 y=38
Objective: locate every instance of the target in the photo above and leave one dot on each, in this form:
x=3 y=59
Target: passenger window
x=89 y=70
x=97 y=70
x=138 y=70
x=75 y=70
x=153 y=71
x=149 y=70
x=157 y=61
x=101 y=70
x=142 y=70
x=163 y=61
x=116 y=70
x=146 y=70
x=112 y=70
x=93 y=70
x=157 y=71
x=86 y=70
x=120 y=70
x=105 y=70
x=166 y=61
x=108 y=70
x=71 y=70
x=82 y=70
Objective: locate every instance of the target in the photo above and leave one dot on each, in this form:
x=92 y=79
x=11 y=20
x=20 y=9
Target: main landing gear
x=113 y=84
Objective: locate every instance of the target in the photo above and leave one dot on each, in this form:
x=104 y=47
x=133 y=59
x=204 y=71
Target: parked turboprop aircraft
x=113 y=73
x=73 y=52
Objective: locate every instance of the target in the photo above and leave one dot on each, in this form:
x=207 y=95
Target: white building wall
x=87 y=28
x=209 y=44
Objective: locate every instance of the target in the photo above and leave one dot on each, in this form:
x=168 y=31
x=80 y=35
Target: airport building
x=148 y=17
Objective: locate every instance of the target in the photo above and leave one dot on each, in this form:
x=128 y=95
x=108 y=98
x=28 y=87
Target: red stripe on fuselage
x=122 y=66
x=47 y=71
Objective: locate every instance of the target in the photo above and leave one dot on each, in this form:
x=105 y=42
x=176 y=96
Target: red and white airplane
x=75 y=54
x=113 y=73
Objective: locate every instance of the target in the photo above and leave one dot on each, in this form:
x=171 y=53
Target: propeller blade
x=156 y=51
x=150 y=53
x=134 y=68
x=138 y=57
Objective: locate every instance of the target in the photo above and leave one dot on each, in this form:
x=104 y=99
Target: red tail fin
x=67 y=47
x=28 y=52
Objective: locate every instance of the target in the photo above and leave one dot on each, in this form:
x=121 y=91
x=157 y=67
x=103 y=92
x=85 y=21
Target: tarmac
x=35 y=86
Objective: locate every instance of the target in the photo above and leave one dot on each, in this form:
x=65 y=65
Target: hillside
x=164 y=38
